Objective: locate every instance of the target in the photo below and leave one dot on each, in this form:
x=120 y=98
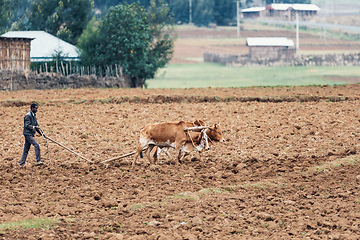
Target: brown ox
x=169 y=134
x=214 y=133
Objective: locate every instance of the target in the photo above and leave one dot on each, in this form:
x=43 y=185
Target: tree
x=89 y=41
x=203 y=12
x=137 y=40
x=224 y=12
x=5 y=14
x=10 y=11
x=104 y=5
x=180 y=9
x=289 y=1
x=221 y=12
x=249 y=3
x=63 y=18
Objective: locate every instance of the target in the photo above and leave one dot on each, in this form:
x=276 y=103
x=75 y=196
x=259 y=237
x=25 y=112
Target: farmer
x=30 y=126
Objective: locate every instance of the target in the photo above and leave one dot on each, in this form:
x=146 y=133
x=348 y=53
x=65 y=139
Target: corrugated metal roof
x=17 y=38
x=253 y=9
x=305 y=7
x=269 y=41
x=44 y=45
x=279 y=6
x=296 y=7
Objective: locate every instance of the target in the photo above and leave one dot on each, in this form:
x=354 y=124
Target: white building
x=45 y=46
x=253 y=12
x=288 y=11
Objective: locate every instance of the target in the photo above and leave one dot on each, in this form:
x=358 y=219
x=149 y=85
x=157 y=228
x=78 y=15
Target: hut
x=270 y=48
x=45 y=46
x=305 y=10
x=288 y=11
x=253 y=12
x=279 y=10
x=15 y=53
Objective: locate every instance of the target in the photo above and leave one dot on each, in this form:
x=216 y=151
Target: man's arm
x=37 y=128
x=27 y=123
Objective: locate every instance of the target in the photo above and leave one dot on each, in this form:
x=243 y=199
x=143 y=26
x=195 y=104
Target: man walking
x=30 y=126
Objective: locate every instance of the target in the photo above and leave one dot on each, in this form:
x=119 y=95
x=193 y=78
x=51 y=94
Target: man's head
x=34 y=107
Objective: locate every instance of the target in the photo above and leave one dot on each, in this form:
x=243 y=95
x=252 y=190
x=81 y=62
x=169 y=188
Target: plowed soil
x=289 y=168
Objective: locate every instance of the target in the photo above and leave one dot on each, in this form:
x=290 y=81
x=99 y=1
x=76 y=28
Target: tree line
x=134 y=34
x=67 y=18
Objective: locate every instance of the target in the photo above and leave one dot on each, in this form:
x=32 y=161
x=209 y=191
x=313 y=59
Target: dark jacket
x=29 y=124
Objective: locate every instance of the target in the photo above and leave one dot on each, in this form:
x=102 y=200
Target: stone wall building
x=270 y=47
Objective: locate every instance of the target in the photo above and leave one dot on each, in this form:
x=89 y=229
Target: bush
x=139 y=41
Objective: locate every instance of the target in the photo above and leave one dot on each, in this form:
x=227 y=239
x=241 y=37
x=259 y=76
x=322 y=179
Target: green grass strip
x=202 y=75
x=30 y=223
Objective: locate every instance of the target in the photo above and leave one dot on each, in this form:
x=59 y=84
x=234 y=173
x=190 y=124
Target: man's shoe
x=39 y=163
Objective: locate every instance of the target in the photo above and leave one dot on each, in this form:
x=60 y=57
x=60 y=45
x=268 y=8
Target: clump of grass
x=212 y=190
x=106 y=100
x=138 y=206
x=79 y=101
x=350 y=160
x=30 y=223
x=254 y=185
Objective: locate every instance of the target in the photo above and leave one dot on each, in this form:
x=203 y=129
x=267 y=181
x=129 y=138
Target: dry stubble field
x=289 y=168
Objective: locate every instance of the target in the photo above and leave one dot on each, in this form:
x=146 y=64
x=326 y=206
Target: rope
x=47 y=144
x=191 y=139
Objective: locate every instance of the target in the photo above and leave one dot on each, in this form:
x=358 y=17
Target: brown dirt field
x=289 y=168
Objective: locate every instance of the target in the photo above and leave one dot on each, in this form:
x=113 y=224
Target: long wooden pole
x=297 y=30
x=67 y=148
x=119 y=157
x=122 y=156
x=195 y=128
x=238 y=17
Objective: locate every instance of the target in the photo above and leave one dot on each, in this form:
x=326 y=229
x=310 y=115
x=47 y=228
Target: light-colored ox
x=172 y=135
x=214 y=133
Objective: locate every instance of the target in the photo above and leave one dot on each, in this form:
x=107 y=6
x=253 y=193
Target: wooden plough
x=46 y=137
x=119 y=157
x=114 y=158
x=132 y=153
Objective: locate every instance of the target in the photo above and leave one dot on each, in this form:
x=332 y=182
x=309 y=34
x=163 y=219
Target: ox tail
x=141 y=153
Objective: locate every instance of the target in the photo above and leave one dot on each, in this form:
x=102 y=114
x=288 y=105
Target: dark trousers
x=30 y=140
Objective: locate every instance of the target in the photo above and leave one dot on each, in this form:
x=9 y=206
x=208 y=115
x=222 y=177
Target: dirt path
x=288 y=169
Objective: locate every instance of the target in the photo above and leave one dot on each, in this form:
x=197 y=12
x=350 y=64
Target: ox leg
x=183 y=154
x=156 y=153
x=137 y=153
x=201 y=159
x=166 y=151
x=147 y=153
x=178 y=150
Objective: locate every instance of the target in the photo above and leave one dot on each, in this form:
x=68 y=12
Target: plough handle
x=67 y=148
